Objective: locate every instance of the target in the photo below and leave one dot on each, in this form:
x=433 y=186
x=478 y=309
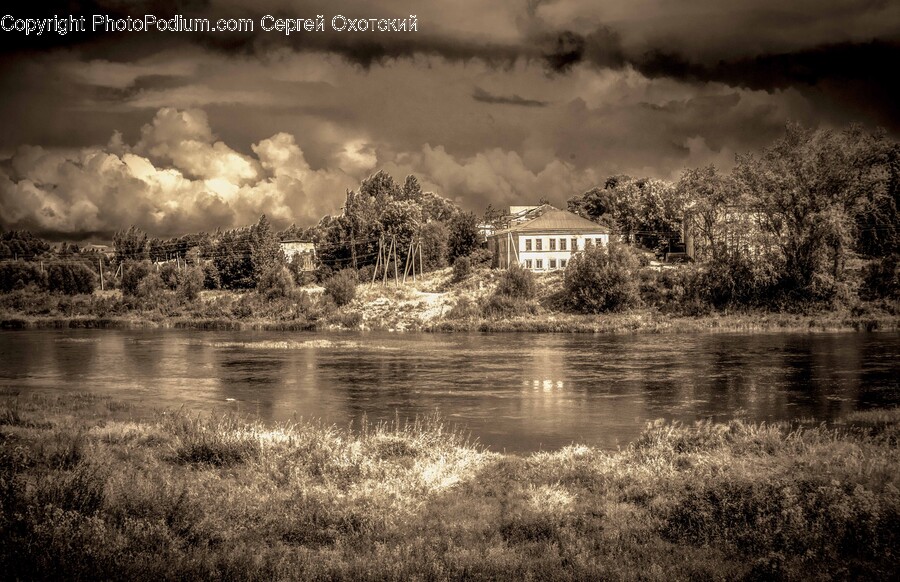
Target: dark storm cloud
x=483 y=96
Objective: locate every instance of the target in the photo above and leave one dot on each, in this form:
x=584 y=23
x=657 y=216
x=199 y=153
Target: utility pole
x=378 y=260
x=396 y=274
x=101 y=273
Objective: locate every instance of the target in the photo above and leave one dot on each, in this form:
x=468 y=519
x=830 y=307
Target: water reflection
x=518 y=392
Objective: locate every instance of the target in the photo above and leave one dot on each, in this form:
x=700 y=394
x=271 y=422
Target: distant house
x=543 y=238
x=304 y=250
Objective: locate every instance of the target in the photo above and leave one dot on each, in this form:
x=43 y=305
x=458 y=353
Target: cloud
x=175 y=179
x=483 y=96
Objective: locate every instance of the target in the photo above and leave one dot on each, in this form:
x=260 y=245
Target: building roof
x=555 y=220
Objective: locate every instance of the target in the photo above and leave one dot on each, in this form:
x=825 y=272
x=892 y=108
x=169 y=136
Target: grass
x=87 y=493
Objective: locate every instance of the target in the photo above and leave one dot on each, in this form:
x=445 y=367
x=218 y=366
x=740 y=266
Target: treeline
x=812 y=219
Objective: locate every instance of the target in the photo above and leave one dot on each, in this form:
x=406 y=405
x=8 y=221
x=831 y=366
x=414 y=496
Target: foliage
x=462 y=268
x=86 y=496
x=265 y=250
x=435 y=247
x=233 y=259
x=70 y=278
x=190 y=282
x=21 y=245
x=464 y=235
x=808 y=188
x=133 y=272
x=602 y=278
x=882 y=278
x=517 y=282
x=19 y=274
x=646 y=211
x=131 y=245
x=342 y=286
x=276 y=282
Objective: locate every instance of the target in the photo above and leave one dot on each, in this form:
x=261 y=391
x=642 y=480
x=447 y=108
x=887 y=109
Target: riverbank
x=636 y=321
x=89 y=493
x=435 y=302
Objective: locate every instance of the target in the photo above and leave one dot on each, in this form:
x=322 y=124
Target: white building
x=547 y=241
x=306 y=252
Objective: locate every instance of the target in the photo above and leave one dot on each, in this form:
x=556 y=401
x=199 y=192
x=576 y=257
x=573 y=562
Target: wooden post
x=42 y=267
x=377 y=261
x=101 y=273
x=420 y=259
x=396 y=273
x=412 y=250
x=386 y=259
x=408 y=256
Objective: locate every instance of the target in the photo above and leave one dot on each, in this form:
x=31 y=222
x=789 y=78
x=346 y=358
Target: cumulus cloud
x=175 y=179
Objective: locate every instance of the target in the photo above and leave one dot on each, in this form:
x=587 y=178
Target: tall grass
x=86 y=495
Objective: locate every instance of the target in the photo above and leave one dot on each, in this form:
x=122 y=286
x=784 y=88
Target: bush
x=190 y=283
x=499 y=305
x=342 y=286
x=881 y=279
x=736 y=281
x=18 y=275
x=169 y=273
x=133 y=272
x=602 y=278
x=462 y=268
x=70 y=278
x=211 y=278
x=480 y=257
x=517 y=282
x=276 y=282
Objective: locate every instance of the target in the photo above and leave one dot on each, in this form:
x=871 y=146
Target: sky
x=496 y=102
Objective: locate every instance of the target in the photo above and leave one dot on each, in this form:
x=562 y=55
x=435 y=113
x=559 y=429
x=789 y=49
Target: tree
x=411 y=189
x=131 y=244
x=233 y=261
x=709 y=199
x=809 y=188
x=435 y=248
x=22 y=245
x=602 y=278
x=464 y=235
x=265 y=250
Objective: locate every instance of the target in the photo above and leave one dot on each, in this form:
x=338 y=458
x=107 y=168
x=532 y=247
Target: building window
x=538 y=244
x=562 y=244
x=539 y=263
x=574 y=244
x=527 y=244
x=552 y=244
x=527 y=263
x=562 y=263
x=598 y=241
x=552 y=263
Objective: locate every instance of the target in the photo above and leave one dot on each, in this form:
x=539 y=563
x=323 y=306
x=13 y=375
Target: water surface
x=514 y=392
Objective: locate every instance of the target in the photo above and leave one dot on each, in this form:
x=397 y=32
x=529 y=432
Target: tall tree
x=464 y=235
x=131 y=244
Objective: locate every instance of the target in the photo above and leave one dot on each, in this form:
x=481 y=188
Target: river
x=512 y=392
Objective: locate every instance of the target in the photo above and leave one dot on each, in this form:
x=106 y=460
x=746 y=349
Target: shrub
x=19 y=274
x=70 y=278
x=481 y=257
x=499 y=305
x=211 y=278
x=342 y=286
x=517 y=282
x=602 y=278
x=881 y=279
x=736 y=281
x=168 y=273
x=190 y=283
x=462 y=268
x=276 y=282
